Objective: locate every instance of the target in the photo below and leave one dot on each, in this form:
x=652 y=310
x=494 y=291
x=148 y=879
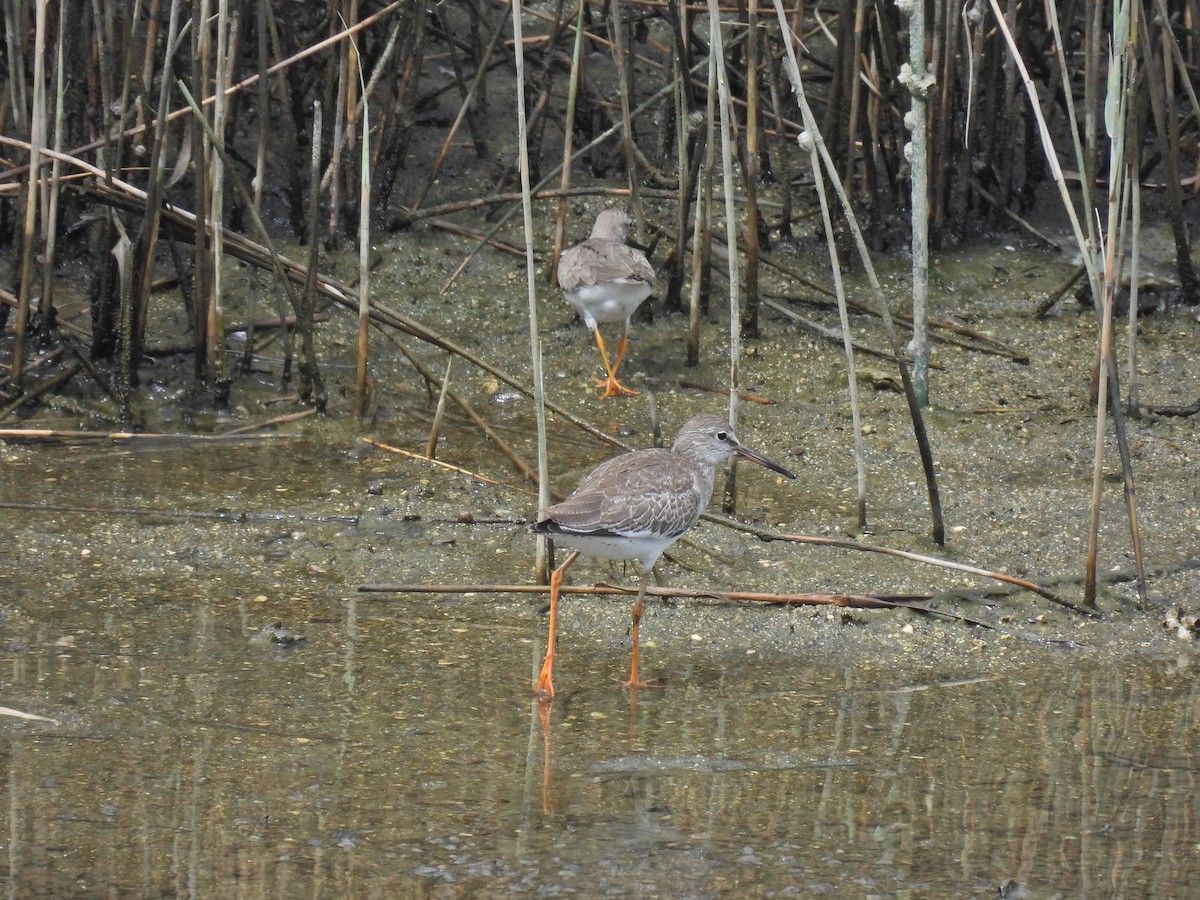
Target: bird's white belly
x=644 y=548
x=613 y=301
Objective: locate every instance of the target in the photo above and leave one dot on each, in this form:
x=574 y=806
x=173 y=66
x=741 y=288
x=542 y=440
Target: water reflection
x=379 y=757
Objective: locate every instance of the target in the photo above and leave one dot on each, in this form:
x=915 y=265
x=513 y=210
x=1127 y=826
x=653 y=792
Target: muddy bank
x=1012 y=440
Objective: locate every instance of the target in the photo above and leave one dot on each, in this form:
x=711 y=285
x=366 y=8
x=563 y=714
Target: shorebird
x=606 y=280
x=635 y=506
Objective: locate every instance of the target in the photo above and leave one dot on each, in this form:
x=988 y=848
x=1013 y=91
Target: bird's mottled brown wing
x=598 y=261
x=649 y=490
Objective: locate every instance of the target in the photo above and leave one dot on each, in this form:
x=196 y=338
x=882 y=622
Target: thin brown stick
x=724 y=391
x=843 y=601
x=857 y=601
x=475 y=234
x=446 y=465
x=576 y=73
x=624 y=66
x=768 y=534
x=278 y=420
x=361 y=381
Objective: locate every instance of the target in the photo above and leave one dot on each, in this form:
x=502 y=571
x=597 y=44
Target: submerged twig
x=445 y=465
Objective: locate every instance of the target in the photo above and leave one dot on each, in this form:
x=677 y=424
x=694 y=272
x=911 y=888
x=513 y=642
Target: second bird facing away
x=635 y=506
x=606 y=280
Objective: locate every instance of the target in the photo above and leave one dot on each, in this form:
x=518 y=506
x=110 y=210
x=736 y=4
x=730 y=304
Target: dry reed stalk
x=381 y=65
x=727 y=126
x=287 y=147
x=919 y=82
x=1160 y=70
x=263 y=133
x=701 y=233
x=332 y=180
x=217 y=370
x=1119 y=109
x=1132 y=379
x=621 y=59
x=560 y=219
x=37 y=139
x=542 y=560
x=312 y=388
x=848 y=601
x=16 y=27
x=687 y=138
x=148 y=239
x=275 y=260
x=201 y=259
x=123 y=252
x=835 y=269
x=749 y=317
x=364 y=247
x=51 y=227
x=1082 y=153
x=854 y=51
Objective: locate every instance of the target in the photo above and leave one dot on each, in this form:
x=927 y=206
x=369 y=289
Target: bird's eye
x=722 y=435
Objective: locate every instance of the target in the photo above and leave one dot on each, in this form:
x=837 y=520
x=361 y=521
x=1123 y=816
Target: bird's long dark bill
x=763 y=461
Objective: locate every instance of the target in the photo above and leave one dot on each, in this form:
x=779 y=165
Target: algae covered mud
x=223 y=711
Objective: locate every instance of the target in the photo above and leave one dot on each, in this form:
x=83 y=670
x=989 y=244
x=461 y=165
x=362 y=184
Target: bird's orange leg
x=545 y=682
x=639 y=607
x=612 y=387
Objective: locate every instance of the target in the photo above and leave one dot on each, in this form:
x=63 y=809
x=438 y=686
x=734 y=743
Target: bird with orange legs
x=606 y=280
x=635 y=506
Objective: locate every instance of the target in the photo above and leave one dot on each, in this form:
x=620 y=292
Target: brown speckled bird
x=635 y=506
x=606 y=280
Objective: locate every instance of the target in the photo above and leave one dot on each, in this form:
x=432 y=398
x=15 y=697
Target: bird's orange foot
x=614 y=388
x=545 y=683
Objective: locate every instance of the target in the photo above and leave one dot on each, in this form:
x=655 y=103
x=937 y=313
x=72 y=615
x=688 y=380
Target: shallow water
x=387 y=745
